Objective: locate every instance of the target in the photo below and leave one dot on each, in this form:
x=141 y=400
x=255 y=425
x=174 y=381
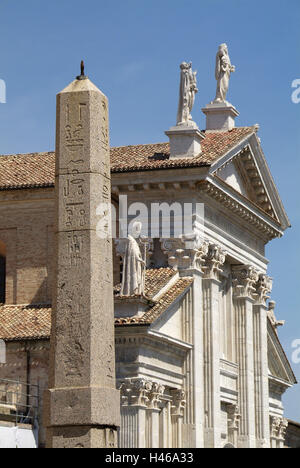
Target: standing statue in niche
x=134 y=265
x=187 y=92
x=223 y=72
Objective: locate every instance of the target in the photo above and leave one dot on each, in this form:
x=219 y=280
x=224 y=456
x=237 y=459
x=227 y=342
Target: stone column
x=83 y=406
x=135 y=399
x=177 y=410
x=211 y=333
x=188 y=256
x=153 y=413
x=261 y=372
x=245 y=277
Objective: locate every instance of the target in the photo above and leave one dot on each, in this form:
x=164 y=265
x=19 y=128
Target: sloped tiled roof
x=156 y=280
x=23 y=322
x=37 y=169
x=33 y=322
x=167 y=300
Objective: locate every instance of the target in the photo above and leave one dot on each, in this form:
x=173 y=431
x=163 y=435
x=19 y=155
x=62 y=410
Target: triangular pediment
x=231 y=174
x=279 y=365
x=245 y=170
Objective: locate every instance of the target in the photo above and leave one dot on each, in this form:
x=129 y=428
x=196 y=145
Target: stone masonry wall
x=26 y=229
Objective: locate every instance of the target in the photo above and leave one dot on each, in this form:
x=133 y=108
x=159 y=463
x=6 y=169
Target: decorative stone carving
x=275 y=426
x=178 y=402
x=233 y=417
x=135 y=392
x=222 y=73
x=155 y=395
x=186 y=253
x=283 y=428
x=264 y=287
x=271 y=314
x=141 y=392
x=185 y=137
x=245 y=278
x=200 y=256
x=187 y=93
x=134 y=265
x=215 y=259
x=278 y=427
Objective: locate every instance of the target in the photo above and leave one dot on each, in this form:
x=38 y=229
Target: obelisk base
x=81 y=437
x=81 y=416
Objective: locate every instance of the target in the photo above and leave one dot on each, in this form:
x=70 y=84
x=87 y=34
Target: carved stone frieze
x=141 y=392
x=245 y=278
x=233 y=417
x=278 y=427
x=215 y=260
x=178 y=402
x=186 y=253
x=263 y=288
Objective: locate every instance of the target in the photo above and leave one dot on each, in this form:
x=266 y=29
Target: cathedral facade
x=198 y=358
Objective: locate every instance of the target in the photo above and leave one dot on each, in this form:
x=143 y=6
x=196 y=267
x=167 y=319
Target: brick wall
x=26 y=230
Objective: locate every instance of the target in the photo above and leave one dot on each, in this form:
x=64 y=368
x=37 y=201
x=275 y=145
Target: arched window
x=2 y=272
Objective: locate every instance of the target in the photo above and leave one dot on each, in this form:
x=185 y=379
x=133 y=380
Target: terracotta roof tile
x=33 y=322
x=37 y=169
x=25 y=322
x=167 y=300
x=156 y=279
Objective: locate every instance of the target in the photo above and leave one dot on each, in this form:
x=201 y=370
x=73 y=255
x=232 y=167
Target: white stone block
x=185 y=141
x=220 y=116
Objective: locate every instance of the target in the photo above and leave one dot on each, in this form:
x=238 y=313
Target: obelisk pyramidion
x=82 y=406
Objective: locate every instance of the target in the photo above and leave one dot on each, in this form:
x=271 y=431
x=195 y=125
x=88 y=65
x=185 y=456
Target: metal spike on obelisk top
x=82 y=75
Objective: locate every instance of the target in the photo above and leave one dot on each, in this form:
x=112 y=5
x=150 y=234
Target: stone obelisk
x=82 y=406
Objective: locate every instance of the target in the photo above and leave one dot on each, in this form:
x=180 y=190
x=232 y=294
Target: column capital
x=283 y=428
x=186 y=253
x=245 y=278
x=155 y=395
x=214 y=262
x=278 y=427
x=141 y=392
x=178 y=402
x=263 y=288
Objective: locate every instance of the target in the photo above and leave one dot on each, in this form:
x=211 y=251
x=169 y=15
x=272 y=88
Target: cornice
x=237 y=204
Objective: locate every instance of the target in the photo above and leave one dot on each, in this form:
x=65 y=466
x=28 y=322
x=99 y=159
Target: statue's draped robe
x=223 y=71
x=183 y=109
x=133 y=270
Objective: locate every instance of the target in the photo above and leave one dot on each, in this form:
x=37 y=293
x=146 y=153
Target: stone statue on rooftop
x=187 y=93
x=134 y=265
x=223 y=72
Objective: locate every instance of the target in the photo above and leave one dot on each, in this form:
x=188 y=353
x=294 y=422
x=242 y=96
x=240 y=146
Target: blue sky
x=132 y=51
